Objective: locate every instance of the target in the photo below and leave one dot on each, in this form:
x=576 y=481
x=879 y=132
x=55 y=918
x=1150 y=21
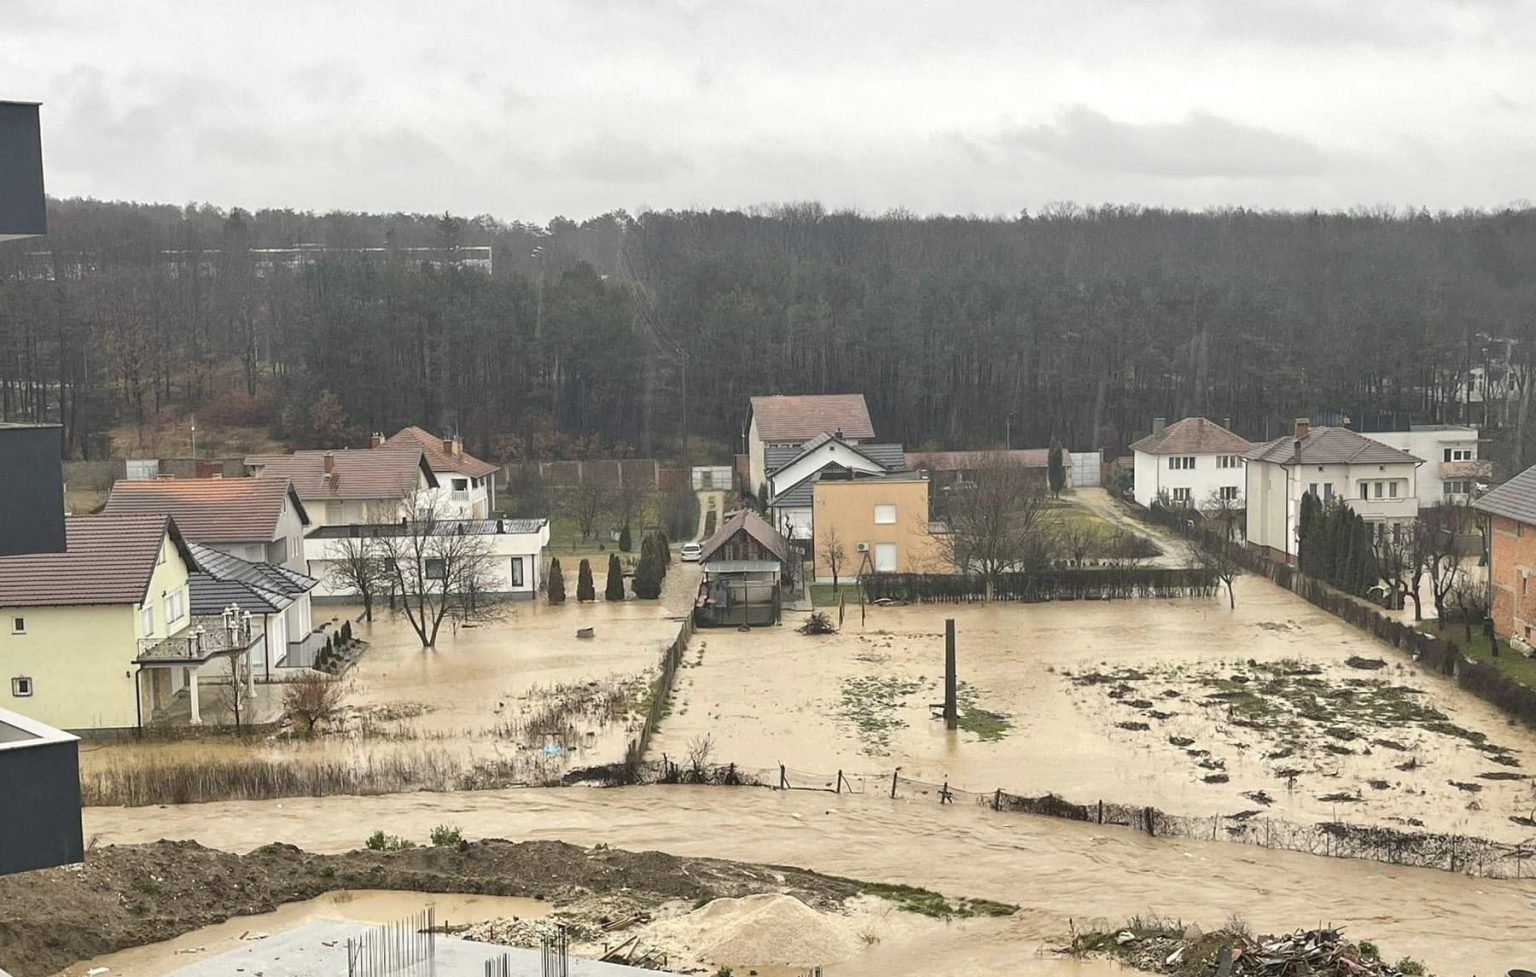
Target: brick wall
x=1513 y=564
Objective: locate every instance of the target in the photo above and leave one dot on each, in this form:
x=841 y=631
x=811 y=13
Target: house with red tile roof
x=789 y=421
x=1190 y=462
x=353 y=486
x=261 y=520
x=466 y=485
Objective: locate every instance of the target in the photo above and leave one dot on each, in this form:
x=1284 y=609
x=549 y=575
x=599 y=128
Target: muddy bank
x=130 y=895
x=1055 y=870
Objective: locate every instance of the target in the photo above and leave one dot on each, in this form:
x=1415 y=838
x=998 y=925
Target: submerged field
x=1276 y=708
x=517 y=699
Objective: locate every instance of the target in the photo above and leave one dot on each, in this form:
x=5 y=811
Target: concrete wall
x=847 y=508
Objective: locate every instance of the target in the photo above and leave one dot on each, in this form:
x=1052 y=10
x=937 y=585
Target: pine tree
x=1056 y=469
x=626 y=542
x=648 y=575
x=585 y=591
x=556 y=582
x=615 y=587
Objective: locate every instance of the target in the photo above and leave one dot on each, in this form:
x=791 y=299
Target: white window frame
x=1181 y=495
x=517 y=573
x=1229 y=493
x=18 y=625
x=885 y=508
x=17 y=687
x=147 y=621
x=895 y=555
x=1392 y=489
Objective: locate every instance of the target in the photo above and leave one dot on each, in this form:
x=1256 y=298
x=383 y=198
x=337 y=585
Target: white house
x=1378 y=481
x=792 y=475
x=788 y=422
x=466 y=485
x=341 y=488
x=1191 y=460
x=1452 y=470
x=515 y=546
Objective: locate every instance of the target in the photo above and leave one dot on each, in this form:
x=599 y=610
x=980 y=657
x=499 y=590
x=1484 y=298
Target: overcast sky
x=526 y=110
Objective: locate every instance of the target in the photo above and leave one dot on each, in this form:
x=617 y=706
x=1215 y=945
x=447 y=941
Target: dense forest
x=622 y=333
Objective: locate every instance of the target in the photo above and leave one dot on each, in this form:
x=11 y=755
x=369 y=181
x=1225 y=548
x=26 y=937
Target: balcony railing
x=1476 y=468
x=200 y=641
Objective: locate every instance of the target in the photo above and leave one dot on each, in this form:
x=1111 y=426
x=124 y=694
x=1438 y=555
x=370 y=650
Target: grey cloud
x=613 y=159
x=1202 y=145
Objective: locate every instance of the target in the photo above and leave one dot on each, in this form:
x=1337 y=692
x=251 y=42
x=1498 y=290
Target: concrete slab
x=319 y=949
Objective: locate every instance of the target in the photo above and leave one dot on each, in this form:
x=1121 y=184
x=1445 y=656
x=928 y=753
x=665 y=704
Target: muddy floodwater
x=1276 y=708
x=465 y=705
x=1055 y=870
x=364 y=907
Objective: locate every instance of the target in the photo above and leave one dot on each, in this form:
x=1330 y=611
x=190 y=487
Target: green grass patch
x=870 y=702
x=926 y=902
x=1508 y=661
x=822 y=595
x=988 y=726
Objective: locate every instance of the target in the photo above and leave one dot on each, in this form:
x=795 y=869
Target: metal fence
x=554 y=958
x=407 y=946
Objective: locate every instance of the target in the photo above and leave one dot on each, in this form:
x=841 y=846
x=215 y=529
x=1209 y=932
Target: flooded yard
x=517 y=699
x=1054 y=870
x=1277 y=708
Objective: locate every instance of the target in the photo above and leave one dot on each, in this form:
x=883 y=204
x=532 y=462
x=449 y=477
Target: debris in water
x=1463 y=785
x=1369 y=664
x=1259 y=797
x=1321 y=952
x=586 y=632
x=1133 y=726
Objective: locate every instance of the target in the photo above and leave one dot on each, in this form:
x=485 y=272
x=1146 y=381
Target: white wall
x=322 y=555
x=793 y=521
x=1274 y=497
x=1430 y=446
x=755 y=461
x=473 y=502
x=830 y=453
x=1153 y=475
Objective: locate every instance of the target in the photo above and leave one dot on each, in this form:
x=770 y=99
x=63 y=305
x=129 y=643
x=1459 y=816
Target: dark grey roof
x=888 y=456
x=1330 y=446
x=269 y=577
x=208 y=596
x=1515 y=499
x=803 y=493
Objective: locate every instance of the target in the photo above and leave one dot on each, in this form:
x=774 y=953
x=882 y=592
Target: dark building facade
x=31 y=489
x=23 y=206
x=40 y=784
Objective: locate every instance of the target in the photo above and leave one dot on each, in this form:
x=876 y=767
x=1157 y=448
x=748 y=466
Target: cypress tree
x=556 y=582
x=1056 y=469
x=626 y=542
x=614 y=590
x=585 y=591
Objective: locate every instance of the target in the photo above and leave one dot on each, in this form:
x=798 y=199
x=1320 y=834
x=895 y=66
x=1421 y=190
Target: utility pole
x=951 y=713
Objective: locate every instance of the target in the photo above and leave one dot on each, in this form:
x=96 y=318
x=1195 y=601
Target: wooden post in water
x=951 y=714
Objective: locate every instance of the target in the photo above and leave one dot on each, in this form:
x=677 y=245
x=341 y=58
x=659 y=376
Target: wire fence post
x=893 y=785
x=783 y=779
x=997 y=799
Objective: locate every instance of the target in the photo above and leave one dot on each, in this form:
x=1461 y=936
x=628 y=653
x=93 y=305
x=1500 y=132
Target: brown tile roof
x=802 y=417
x=463 y=463
x=387 y=472
x=750 y=522
x=1193 y=436
x=966 y=461
x=1330 y=446
x=210 y=510
x=107 y=560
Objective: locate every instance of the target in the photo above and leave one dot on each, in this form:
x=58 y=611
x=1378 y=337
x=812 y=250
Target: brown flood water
x=859 y=701
x=360 y=906
x=1055 y=870
x=443 y=704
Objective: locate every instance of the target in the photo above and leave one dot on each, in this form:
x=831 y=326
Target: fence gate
x=408 y=946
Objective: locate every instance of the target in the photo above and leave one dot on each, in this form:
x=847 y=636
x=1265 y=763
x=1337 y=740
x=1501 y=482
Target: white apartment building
x=1452 y=470
x=1378 y=481
x=1191 y=460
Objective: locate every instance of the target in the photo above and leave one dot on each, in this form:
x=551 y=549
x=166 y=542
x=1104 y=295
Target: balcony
x=1377 y=510
x=1478 y=468
x=203 y=639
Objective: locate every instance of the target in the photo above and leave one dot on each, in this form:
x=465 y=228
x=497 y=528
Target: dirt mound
x=129 y=895
x=761 y=930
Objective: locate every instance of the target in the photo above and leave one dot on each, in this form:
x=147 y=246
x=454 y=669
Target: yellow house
x=75 y=627
x=879 y=523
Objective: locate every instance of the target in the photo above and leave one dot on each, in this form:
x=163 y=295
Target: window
x=18 y=625
x=885 y=515
x=1392 y=490
x=1229 y=493
x=1229 y=461
x=21 y=687
x=1312 y=488
x=1462 y=487
x=1458 y=454
x=1327 y=491
x=517 y=571
x=175 y=607
x=147 y=620
x=885 y=557
x=1365 y=490
x=437 y=570
x=1181 y=462
x=1181 y=496
x=1379 y=488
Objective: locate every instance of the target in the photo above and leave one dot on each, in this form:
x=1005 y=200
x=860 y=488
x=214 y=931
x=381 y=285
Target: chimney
x=1158 y=423
x=458 y=446
x=1303 y=427
x=330 y=463
x=1226 y=422
x=838 y=434
x=377 y=441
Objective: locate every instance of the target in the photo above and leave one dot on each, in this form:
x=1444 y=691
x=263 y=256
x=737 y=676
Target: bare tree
x=1396 y=555
x=997 y=525
x=313 y=699
x=1224 y=512
x=436 y=566
x=833 y=554
x=585 y=502
x=1435 y=546
x=1473 y=600
x=1217 y=560
x=359 y=566
x=234 y=696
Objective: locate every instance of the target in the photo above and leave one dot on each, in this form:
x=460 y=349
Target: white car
x=690 y=552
